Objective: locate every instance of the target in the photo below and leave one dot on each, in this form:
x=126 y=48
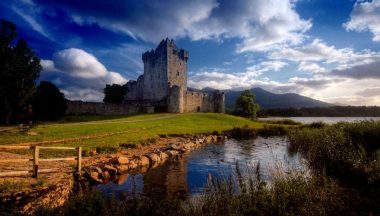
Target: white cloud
x=365 y=16
x=79 y=63
x=273 y=65
x=239 y=81
x=260 y=25
x=311 y=67
x=319 y=51
x=80 y=74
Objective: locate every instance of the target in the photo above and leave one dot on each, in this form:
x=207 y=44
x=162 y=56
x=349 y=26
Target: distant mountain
x=268 y=100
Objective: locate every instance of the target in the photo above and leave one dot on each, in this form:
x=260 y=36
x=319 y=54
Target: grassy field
x=89 y=132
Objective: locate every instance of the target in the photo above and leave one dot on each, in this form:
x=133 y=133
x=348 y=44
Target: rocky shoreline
x=103 y=172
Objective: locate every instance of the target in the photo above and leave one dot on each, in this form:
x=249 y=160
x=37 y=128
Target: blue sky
x=325 y=49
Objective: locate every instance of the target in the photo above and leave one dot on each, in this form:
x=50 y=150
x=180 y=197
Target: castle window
x=151 y=77
x=177 y=73
x=151 y=85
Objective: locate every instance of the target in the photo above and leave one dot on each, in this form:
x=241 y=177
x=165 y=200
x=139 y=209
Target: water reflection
x=189 y=174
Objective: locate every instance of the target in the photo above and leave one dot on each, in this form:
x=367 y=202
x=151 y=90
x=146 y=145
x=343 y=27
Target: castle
x=163 y=86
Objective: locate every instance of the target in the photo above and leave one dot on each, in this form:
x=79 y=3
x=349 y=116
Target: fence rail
x=36 y=159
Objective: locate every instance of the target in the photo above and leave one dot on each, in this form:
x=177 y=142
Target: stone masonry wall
x=94 y=108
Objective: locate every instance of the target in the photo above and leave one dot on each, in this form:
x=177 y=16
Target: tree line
x=21 y=99
x=333 y=111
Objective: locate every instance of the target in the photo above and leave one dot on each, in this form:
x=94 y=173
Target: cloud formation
x=363 y=71
x=261 y=25
x=365 y=16
x=79 y=74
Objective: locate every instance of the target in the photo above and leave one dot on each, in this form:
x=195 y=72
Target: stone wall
x=94 y=108
x=180 y=101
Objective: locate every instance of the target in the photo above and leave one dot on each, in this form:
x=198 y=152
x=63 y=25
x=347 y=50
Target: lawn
x=92 y=133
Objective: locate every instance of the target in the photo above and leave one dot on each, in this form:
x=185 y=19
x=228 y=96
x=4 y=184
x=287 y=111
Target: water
x=189 y=174
x=327 y=120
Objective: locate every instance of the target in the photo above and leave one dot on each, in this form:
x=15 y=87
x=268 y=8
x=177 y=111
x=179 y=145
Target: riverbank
x=131 y=137
x=344 y=159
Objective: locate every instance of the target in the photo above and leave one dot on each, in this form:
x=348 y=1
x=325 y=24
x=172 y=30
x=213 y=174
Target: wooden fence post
x=79 y=158
x=35 y=161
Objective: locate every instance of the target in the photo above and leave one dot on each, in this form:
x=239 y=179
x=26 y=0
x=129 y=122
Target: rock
x=143 y=169
x=105 y=175
x=93 y=152
x=120 y=160
x=95 y=177
x=111 y=170
x=98 y=169
x=189 y=146
x=172 y=153
x=153 y=158
x=163 y=156
x=172 y=147
x=144 y=161
x=132 y=164
x=122 y=167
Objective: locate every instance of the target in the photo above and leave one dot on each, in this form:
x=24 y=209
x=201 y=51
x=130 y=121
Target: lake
x=189 y=174
x=327 y=120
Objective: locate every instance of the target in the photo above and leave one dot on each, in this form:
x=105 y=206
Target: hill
x=269 y=100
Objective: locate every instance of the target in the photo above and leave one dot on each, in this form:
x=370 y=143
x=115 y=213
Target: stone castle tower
x=163 y=86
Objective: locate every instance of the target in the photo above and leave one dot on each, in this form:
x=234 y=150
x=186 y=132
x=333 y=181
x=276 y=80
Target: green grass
x=130 y=129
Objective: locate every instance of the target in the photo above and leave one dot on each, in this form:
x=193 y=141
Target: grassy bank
x=125 y=130
x=239 y=194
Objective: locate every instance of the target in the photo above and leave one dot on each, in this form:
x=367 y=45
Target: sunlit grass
x=130 y=129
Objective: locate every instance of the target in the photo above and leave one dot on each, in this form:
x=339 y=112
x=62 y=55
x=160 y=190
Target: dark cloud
x=364 y=71
x=261 y=24
x=369 y=92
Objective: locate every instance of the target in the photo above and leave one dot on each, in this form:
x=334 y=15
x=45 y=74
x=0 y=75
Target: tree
x=19 y=69
x=245 y=105
x=114 y=93
x=48 y=102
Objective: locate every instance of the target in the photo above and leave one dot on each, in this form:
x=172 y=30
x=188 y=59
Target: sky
x=325 y=49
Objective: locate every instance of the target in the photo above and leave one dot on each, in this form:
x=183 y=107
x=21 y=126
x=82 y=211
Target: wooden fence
x=36 y=159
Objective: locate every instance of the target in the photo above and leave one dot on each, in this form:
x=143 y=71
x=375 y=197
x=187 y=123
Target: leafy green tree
x=19 y=69
x=246 y=106
x=49 y=103
x=114 y=93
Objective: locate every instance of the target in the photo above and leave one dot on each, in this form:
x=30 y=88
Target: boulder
x=163 y=156
x=98 y=169
x=172 y=153
x=172 y=147
x=122 y=167
x=93 y=152
x=153 y=158
x=189 y=146
x=94 y=176
x=144 y=161
x=120 y=160
x=132 y=164
x=105 y=175
x=111 y=170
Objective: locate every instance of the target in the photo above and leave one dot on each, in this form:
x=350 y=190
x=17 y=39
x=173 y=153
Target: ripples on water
x=189 y=174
